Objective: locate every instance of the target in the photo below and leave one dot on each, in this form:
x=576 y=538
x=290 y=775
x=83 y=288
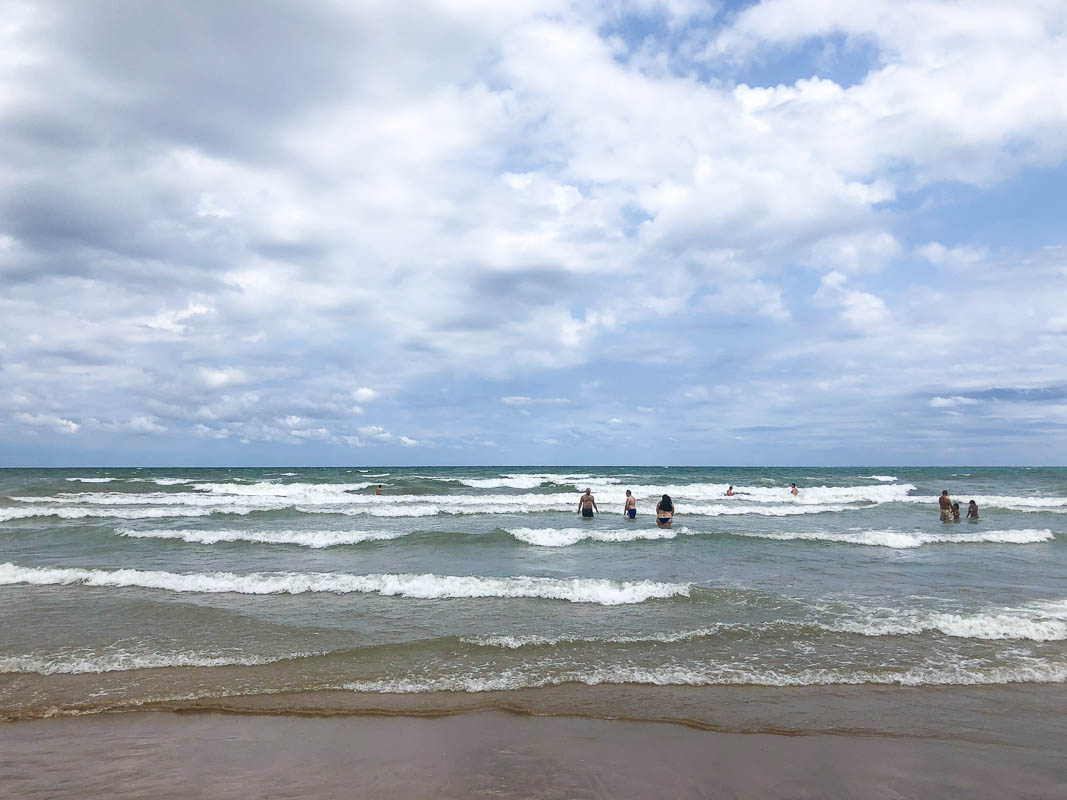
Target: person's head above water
x=944 y=492
x=588 y=490
x=627 y=492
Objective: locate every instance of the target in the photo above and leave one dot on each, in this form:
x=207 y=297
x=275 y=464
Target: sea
x=301 y=590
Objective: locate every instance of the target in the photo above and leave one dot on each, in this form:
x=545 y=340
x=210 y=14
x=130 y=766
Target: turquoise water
x=121 y=587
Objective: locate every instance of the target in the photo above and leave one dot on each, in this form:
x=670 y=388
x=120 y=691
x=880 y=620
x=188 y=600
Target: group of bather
x=950 y=511
x=587 y=506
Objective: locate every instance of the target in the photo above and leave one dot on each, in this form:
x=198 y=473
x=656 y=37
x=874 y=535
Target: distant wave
x=426 y=586
x=903 y=539
x=562 y=537
x=312 y=539
x=92 y=480
x=881 y=477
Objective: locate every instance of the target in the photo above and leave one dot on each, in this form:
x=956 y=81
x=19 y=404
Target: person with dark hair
x=955 y=512
x=794 y=491
x=730 y=491
x=586 y=504
x=972 y=511
x=629 y=509
x=664 y=512
x=944 y=503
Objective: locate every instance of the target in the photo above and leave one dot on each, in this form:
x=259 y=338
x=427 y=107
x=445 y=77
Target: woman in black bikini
x=664 y=512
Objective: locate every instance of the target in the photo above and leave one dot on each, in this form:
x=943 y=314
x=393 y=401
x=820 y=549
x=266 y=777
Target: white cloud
x=57 y=424
x=952 y=402
x=364 y=394
x=223 y=377
x=376 y=432
x=958 y=256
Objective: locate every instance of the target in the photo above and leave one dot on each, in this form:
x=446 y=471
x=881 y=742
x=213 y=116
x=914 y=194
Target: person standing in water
x=730 y=491
x=955 y=512
x=587 y=504
x=794 y=491
x=972 y=511
x=664 y=512
x=630 y=508
x=378 y=491
x=944 y=502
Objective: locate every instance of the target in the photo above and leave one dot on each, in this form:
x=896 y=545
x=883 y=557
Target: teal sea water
x=121 y=587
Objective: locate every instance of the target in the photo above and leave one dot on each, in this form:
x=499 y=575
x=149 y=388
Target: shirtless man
x=945 y=504
x=794 y=491
x=630 y=508
x=730 y=492
x=586 y=504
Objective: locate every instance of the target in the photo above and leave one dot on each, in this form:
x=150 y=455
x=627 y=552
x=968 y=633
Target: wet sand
x=495 y=754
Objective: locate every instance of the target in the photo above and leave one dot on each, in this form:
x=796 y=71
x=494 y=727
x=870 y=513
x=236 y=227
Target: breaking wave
x=425 y=586
x=313 y=539
x=903 y=539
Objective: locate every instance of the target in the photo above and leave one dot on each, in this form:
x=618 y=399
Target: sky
x=790 y=232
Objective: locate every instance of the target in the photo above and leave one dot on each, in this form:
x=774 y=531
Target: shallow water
x=125 y=587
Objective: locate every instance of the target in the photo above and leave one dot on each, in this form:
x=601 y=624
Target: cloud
x=952 y=402
x=57 y=424
x=365 y=394
x=220 y=233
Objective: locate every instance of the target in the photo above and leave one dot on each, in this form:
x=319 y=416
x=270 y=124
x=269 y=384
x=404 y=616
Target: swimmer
x=630 y=508
x=730 y=492
x=944 y=503
x=955 y=512
x=972 y=511
x=586 y=504
x=378 y=491
x=664 y=512
x=794 y=491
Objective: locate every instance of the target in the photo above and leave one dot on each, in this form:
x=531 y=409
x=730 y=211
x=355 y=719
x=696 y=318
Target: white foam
x=563 y=537
x=884 y=478
x=813 y=495
x=515 y=642
x=92 y=480
x=1037 y=671
x=426 y=586
x=733 y=510
x=86 y=662
x=993 y=625
x=513 y=482
x=312 y=539
x=302 y=492
x=7 y=514
x=902 y=539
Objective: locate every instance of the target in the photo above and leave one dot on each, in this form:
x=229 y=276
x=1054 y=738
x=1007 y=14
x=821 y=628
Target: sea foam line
x=87 y=662
x=313 y=539
x=426 y=586
x=563 y=537
x=1038 y=671
x=905 y=540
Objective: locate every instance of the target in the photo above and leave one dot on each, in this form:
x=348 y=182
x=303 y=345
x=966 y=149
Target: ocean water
x=121 y=588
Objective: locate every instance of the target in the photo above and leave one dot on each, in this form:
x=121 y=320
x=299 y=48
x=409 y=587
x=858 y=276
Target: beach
x=493 y=754
x=292 y=628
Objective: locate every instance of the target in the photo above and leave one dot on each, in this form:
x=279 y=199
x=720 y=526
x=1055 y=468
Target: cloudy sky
x=551 y=232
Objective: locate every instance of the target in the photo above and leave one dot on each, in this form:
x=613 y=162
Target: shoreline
x=492 y=753
x=1017 y=715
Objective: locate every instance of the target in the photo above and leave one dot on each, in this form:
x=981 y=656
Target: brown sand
x=493 y=754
